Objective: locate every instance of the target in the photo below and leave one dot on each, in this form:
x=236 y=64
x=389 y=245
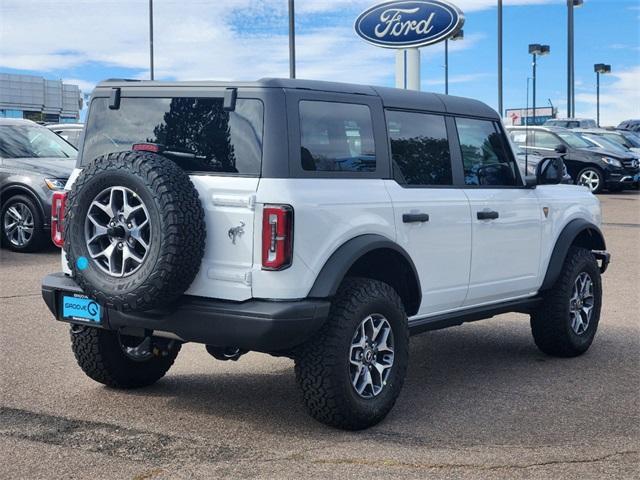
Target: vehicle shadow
x=472 y=381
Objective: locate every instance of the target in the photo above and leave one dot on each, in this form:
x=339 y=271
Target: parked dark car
x=593 y=167
x=69 y=131
x=632 y=125
x=34 y=162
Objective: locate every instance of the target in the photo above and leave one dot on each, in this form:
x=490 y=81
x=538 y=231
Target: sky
x=85 y=41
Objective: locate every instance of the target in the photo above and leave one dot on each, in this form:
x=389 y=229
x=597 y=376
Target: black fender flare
x=567 y=237
x=340 y=261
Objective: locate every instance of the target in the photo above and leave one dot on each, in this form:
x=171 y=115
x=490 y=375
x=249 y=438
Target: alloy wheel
x=581 y=303
x=117 y=231
x=589 y=179
x=19 y=224
x=371 y=356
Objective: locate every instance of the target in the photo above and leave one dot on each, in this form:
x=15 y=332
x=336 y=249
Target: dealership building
x=39 y=99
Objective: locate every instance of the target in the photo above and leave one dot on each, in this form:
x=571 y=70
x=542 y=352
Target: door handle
x=488 y=215
x=415 y=217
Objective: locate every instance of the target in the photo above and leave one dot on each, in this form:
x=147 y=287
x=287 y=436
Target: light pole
x=292 y=40
x=151 y=37
x=571 y=104
x=457 y=36
x=500 y=58
x=536 y=50
x=599 y=68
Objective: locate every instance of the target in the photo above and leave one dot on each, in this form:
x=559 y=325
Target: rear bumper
x=260 y=325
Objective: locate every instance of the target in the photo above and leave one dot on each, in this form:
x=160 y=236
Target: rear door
x=506 y=217
x=222 y=152
x=432 y=216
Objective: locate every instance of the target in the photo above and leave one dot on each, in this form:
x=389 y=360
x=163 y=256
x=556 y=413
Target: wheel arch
x=371 y=256
x=579 y=233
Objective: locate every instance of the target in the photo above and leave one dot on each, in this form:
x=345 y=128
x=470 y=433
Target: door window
x=484 y=154
x=336 y=137
x=419 y=148
x=544 y=139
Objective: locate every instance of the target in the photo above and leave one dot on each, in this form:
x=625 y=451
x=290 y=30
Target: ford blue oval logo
x=405 y=24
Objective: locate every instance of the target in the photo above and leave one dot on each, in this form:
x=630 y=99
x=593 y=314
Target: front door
x=432 y=217
x=506 y=217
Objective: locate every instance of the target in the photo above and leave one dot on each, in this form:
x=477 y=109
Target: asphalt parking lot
x=480 y=401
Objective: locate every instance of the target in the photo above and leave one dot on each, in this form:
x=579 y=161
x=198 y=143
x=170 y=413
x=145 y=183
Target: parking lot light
x=536 y=50
x=604 y=69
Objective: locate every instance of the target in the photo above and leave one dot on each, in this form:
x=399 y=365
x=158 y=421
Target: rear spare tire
x=134 y=230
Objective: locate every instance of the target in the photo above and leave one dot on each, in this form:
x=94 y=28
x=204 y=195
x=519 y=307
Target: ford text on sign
x=405 y=24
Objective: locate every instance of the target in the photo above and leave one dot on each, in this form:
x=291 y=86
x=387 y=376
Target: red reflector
x=58 y=204
x=277 y=237
x=147 y=147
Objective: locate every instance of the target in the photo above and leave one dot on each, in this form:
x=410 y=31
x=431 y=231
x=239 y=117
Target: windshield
x=600 y=141
x=633 y=138
x=573 y=140
x=32 y=141
x=623 y=139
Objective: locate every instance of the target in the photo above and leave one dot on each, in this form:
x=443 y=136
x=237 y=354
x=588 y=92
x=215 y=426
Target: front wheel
x=21 y=225
x=566 y=322
x=122 y=361
x=352 y=372
x=592 y=178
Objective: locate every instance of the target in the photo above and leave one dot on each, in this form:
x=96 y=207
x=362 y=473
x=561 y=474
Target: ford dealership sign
x=406 y=24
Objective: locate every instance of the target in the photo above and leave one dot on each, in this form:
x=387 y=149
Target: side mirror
x=550 y=171
x=561 y=149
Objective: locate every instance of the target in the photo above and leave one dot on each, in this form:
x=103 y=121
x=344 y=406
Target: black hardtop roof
x=391 y=97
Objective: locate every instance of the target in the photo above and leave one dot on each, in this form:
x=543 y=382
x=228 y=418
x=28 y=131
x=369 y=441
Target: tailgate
x=229 y=206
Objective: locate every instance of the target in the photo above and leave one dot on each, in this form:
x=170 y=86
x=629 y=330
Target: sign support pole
x=408 y=68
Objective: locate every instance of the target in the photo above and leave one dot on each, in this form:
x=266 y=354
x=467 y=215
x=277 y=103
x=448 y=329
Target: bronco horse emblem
x=236 y=232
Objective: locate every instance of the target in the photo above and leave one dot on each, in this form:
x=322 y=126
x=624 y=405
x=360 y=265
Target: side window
x=544 y=139
x=336 y=137
x=419 y=148
x=519 y=137
x=484 y=154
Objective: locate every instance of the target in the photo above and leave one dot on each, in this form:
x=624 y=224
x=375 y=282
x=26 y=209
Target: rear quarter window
x=197 y=133
x=336 y=137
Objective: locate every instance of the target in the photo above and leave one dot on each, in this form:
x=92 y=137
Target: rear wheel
x=22 y=225
x=566 y=323
x=592 y=178
x=352 y=372
x=122 y=361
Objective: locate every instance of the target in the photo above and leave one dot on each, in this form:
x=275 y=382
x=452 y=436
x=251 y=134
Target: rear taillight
x=57 y=217
x=277 y=237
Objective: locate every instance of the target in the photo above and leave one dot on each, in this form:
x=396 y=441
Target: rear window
x=336 y=137
x=197 y=133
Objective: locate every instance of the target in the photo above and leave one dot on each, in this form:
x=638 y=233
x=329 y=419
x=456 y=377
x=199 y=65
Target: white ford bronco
x=321 y=221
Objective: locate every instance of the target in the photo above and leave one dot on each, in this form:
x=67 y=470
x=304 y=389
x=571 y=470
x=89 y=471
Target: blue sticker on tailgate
x=81 y=308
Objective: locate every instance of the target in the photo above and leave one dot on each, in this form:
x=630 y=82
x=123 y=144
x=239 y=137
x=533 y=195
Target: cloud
x=619 y=99
x=471 y=77
x=235 y=39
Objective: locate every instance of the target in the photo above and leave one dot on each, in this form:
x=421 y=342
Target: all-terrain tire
x=101 y=357
x=322 y=364
x=551 y=322
x=38 y=238
x=176 y=238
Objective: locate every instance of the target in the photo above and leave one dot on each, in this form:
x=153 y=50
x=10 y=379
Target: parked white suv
x=321 y=221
